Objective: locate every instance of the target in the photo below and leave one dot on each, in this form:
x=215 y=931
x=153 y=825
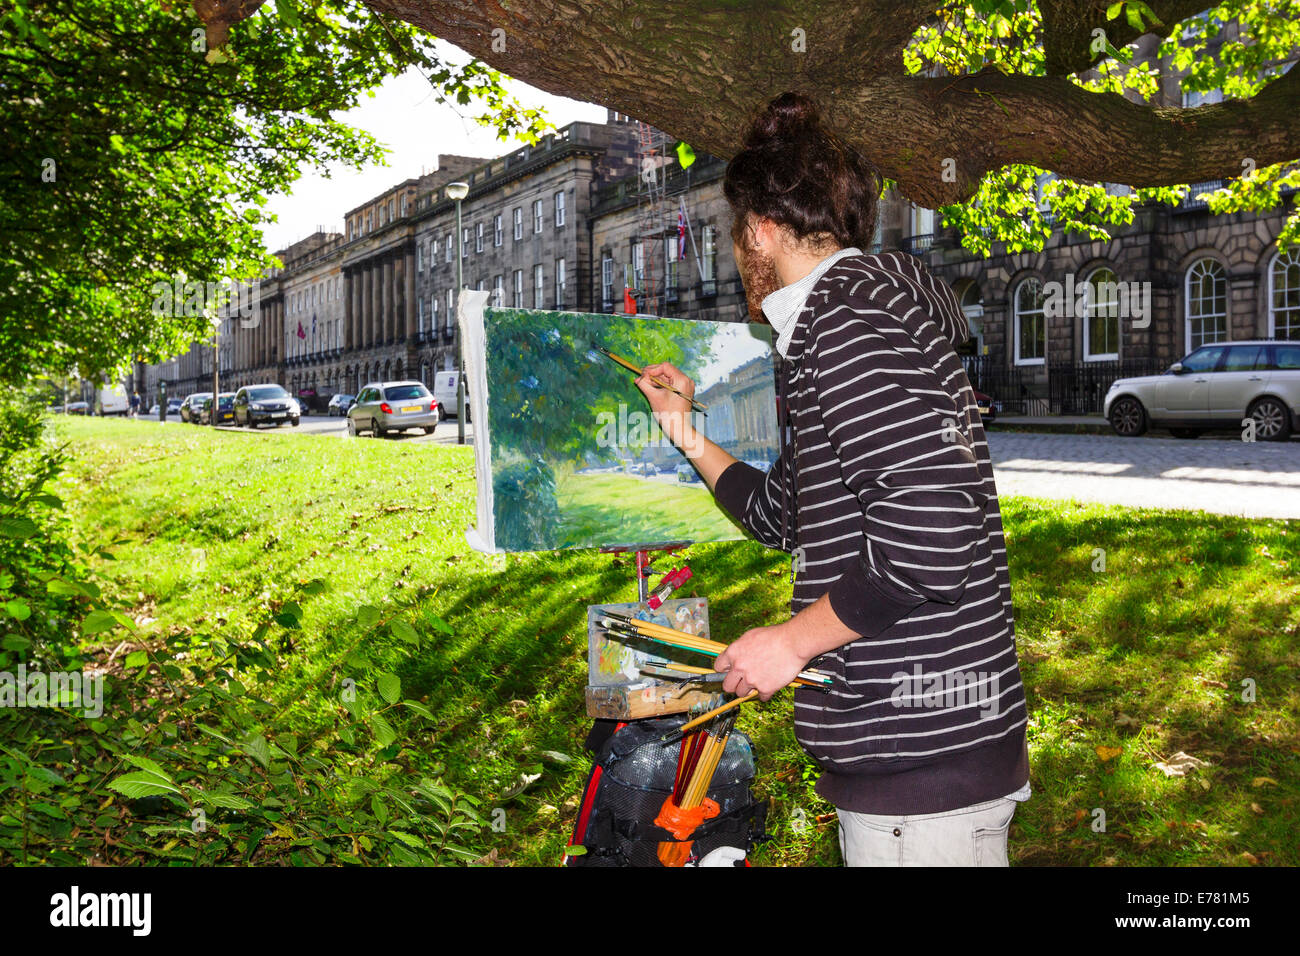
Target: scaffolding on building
x=662 y=213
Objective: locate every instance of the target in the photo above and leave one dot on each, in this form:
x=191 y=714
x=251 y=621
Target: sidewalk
x=1078 y=424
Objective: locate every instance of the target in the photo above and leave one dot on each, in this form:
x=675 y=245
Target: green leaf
x=218 y=798
x=1134 y=18
x=408 y=838
x=17 y=527
x=367 y=616
x=440 y=624
x=390 y=687
x=144 y=763
x=257 y=748
x=419 y=708
x=383 y=730
x=18 y=610
x=1113 y=10
x=145 y=784
x=136 y=659
x=404 y=632
x=98 y=621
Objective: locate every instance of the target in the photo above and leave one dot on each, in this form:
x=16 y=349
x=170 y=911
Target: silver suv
x=384 y=407
x=1215 y=387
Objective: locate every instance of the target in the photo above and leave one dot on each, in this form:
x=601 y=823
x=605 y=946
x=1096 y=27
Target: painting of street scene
x=576 y=458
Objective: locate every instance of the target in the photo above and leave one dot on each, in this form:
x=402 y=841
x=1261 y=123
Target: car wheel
x=1128 y=418
x=1272 y=420
x=379 y=430
x=352 y=427
x=429 y=429
x=1185 y=432
x=294 y=422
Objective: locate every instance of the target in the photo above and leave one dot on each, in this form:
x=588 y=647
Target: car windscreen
x=402 y=393
x=227 y=401
x=268 y=391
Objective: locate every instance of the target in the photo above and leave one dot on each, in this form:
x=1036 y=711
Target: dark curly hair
x=799 y=174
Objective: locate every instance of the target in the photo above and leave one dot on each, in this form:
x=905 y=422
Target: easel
x=643 y=569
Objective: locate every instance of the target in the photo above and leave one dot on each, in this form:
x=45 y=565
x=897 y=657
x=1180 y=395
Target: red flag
x=681 y=230
x=301 y=333
x=629 y=303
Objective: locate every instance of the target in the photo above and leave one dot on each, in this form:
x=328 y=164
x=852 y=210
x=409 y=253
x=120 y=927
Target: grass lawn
x=1123 y=667
x=624 y=508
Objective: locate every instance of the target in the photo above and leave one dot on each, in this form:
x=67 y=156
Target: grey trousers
x=972 y=836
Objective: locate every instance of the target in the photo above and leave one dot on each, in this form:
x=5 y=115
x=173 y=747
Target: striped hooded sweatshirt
x=896 y=517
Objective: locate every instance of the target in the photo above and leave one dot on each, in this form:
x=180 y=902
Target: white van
x=444 y=390
x=113 y=400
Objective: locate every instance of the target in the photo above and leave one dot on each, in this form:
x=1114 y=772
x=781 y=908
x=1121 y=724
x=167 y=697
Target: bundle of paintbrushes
x=623 y=626
x=688 y=806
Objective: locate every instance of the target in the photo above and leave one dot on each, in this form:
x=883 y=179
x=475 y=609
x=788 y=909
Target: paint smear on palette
x=611 y=663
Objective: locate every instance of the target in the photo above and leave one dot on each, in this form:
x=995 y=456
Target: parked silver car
x=1215 y=387
x=384 y=407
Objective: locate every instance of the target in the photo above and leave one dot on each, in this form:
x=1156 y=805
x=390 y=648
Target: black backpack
x=633 y=774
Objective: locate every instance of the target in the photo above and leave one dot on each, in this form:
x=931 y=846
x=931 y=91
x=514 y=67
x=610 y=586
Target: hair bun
x=788 y=116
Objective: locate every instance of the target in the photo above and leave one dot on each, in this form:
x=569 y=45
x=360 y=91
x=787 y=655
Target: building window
x=419 y=257
x=433 y=253
x=369 y=221
x=606 y=284
x=478 y=286
x=559 y=283
x=538 y=275
x=1030 y=324
x=464 y=243
x=451 y=307
x=559 y=208
x=519 y=222
x=709 y=261
x=392 y=209
x=1101 y=317
x=449 y=245
x=433 y=314
x=498 y=288
x=403 y=205
x=1284 y=296
x=638 y=267
x=519 y=289
x=1207 y=304
x=478 y=238
x=496 y=230
x=419 y=315
x=670 y=269
x=537 y=216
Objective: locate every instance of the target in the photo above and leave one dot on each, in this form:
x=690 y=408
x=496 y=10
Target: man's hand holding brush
x=673 y=413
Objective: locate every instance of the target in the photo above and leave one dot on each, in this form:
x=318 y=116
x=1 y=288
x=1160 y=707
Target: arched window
x=1207 y=304
x=424 y=373
x=1284 y=296
x=1101 y=317
x=1030 y=333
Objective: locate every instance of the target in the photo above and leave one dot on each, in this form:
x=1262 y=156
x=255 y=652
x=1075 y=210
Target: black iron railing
x=1079 y=388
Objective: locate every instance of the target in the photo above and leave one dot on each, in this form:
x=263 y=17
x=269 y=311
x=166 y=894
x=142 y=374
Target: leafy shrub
x=525 y=507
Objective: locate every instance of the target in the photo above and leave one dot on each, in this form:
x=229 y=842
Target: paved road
x=324 y=425
x=1226 y=476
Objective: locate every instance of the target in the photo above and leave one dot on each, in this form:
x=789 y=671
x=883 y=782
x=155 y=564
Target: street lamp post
x=459 y=191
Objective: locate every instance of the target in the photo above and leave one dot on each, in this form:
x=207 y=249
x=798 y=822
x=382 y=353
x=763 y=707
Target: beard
x=759 y=278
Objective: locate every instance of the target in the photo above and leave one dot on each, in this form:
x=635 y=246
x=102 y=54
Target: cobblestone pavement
x=1226 y=476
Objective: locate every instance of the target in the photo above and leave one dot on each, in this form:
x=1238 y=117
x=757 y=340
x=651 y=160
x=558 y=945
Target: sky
x=404 y=116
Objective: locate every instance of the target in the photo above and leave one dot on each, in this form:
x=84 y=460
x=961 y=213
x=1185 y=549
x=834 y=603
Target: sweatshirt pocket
x=856 y=719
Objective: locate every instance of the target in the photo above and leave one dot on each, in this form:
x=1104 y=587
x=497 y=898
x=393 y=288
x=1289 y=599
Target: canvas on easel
x=567 y=453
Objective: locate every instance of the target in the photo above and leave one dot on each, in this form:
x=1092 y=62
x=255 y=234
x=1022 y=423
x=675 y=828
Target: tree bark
x=700 y=69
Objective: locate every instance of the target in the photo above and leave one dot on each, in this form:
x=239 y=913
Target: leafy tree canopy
x=137 y=152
